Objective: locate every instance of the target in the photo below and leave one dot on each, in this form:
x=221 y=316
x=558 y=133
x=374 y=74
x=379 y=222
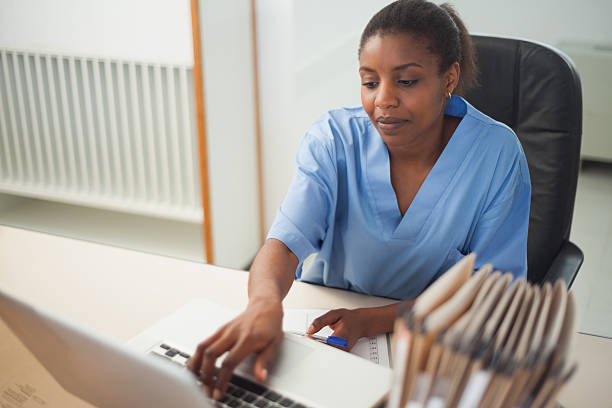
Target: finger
x=238 y=353
x=265 y=357
x=342 y=332
x=326 y=319
x=210 y=355
x=195 y=362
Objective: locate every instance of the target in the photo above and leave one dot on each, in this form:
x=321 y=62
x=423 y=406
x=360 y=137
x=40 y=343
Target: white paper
x=373 y=348
x=475 y=389
x=24 y=382
x=402 y=347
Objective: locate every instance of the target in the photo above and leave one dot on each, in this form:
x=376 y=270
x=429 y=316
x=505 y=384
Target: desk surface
x=105 y=282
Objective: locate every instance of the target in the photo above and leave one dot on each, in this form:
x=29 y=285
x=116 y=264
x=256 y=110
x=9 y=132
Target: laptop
x=306 y=373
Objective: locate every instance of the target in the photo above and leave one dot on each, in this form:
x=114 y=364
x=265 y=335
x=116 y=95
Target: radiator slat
x=164 y=163
x=110 y=134
x=102 y=138
x=114 y=134
x=138 y=144
x=34 y=120
x=71 y=165
x=78 y=122
x=13 y=120
x=174 y=137
x=30 y=176
x=151 y=147
x=91 y=129
x=188 y=144
x=6 y=147
x=127 y=156
x=45 y=128
x=57 y=133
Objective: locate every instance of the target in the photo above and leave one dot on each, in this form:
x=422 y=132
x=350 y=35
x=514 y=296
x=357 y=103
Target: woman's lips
x=389 y=123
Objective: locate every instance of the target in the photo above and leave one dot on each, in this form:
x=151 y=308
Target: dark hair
x=440 y=26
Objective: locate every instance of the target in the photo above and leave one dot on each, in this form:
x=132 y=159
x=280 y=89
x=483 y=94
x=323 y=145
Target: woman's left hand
x=350 y=324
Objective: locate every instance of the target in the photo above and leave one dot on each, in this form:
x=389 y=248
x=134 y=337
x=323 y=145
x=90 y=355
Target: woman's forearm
x=272 y=275
x=379 y=319
x=272 y=272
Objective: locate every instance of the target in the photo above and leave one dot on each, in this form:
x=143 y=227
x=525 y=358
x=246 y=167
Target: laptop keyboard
x=240 y=392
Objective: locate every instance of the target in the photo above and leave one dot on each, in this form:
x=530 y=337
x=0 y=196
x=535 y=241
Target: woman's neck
x=424 y=152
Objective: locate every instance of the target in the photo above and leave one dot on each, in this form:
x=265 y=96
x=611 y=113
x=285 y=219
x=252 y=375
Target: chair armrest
x=565 y=265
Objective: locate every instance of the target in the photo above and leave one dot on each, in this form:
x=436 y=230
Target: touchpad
x=290 y=355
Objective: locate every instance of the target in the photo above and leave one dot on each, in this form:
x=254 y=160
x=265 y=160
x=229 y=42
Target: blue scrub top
x=342 y=205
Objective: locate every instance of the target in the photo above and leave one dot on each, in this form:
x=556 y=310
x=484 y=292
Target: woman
x=390 y=195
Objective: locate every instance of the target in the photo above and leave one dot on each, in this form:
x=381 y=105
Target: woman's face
x=402 y=90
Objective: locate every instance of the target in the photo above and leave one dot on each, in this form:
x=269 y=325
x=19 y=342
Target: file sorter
x=483 y=340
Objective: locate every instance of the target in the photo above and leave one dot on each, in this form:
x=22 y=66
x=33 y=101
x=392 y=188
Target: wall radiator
x=109 y=134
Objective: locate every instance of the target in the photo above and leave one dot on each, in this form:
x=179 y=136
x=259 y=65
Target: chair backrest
x=534 y=89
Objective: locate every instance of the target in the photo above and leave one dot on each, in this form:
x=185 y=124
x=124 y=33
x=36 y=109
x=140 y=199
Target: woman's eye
x=370 y=85
x=409 y=82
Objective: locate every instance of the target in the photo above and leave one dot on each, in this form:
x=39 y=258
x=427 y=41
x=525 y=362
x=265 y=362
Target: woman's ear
x=451 y=77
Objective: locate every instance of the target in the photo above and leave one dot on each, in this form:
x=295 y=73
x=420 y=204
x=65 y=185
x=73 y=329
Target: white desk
x=120 y=292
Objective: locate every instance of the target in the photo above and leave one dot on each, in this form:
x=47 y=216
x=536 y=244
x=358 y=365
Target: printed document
x=375 y=348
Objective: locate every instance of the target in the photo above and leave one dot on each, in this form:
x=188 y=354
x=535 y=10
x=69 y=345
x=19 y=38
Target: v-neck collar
x=435 y=186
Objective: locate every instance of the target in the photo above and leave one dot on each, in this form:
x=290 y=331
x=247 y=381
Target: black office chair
x=535 y=90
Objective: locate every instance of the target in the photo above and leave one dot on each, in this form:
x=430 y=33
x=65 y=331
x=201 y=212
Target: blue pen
x=331 y=340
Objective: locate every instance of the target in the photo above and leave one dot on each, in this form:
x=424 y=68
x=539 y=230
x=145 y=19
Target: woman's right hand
x=256 y=330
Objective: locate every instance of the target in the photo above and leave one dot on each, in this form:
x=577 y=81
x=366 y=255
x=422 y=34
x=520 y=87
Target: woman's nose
x=385 y=97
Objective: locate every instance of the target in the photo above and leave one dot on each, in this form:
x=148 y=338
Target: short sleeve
x=500 y=235
x=302 y=220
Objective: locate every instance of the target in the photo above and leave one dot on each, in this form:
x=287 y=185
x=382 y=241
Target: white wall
x=548 y=21
x=308 y=59
x=227 y=59
x=142 y=30
x=276 y=58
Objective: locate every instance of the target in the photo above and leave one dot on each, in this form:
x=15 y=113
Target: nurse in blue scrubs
x=388 y=195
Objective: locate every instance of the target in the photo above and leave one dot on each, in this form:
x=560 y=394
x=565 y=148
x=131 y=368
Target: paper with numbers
x=375 y=348
x=24 y=382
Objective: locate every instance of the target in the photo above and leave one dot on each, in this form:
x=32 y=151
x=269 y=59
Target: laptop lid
x=94 y=368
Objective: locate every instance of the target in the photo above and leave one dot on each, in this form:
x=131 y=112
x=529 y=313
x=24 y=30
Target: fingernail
x=264 y=374
x=217 y=394
x=310 y=329
x=207 y=390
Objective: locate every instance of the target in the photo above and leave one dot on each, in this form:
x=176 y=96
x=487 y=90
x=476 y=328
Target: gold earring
x=449 y=94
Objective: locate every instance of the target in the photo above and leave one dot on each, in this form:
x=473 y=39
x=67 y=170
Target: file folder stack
x=483 y=340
